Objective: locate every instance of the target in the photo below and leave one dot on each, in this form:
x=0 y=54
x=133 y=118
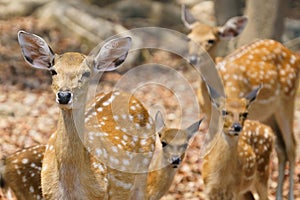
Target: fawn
x=269 y=63
x=174 y=144
x=239 y=156
x=70 y=170
x=21 y=172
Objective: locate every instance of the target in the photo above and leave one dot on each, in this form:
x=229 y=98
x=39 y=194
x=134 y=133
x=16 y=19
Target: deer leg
x=261 y=185
x=285 y=118
x=248 y=196
x=281 y=155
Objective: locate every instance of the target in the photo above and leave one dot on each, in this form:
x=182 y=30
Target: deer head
x=174 y=141
x=72 y=71
x=234 y=111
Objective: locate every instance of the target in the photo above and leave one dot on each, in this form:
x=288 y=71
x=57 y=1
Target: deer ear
x=35 y=50
x=233 y=27
x=112 y=54
x=192 y=129
x=251 y=96
x=187 y=18
x=215 y=97
x=159 y=122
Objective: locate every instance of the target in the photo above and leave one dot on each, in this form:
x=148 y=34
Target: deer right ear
x=112 y=54
x=233 y=27
x=215 y=97
x=159 y=122
x=187 y=18
x=253 y=94
x=35 y=50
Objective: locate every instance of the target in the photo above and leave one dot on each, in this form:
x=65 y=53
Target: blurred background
x=28 y=113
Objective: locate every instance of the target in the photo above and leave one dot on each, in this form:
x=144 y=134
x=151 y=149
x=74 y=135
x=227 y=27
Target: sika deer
x=120 y=182
x=207 y=36
x=174 y=144
x=21 y=172
x=69 y=170
x=171 y=148
x=124 y=139
x=269 y=63
x=239 y=156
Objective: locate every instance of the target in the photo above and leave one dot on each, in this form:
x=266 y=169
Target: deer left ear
x=112 y=54
x=251 y=96
x=216 y=99
x=233 y=27
x=192 y=129
x=159 y=122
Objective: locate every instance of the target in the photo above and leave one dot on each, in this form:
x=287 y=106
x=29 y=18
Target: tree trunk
x=266 y=20
x=225 y=9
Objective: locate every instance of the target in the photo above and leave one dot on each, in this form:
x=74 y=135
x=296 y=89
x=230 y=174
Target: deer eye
x=244 y=115
x=164 y=143
x=210 y=41
x=86 y=74
x=224 y=113
x=53 y=72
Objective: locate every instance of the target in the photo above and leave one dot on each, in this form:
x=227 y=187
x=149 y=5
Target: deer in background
x=269 y=63
x=207 y=37
x=239 y=156
x=21 y=172
x=171 y=149
x=265 y=62
x=69 y=170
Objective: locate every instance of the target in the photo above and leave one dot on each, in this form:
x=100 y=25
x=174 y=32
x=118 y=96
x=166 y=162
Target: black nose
x=193 y=59
x=237 y=127
x=176 y=160
x=64 y=97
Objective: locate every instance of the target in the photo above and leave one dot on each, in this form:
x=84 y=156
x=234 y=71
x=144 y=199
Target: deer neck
x=70 y=131
x=160 y=177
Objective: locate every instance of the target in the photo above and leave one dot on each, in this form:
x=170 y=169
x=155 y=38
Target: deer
x=34 y=155
x=269 y=63
x=171 y=146
x=21 y=172
x=238 y=158
x=265 y=62
x=171 y=149
x=74 y=165
x=207 y=37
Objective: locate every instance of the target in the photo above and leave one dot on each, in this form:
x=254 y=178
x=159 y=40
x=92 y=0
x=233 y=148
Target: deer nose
x=237 y=127
x=64 y=97
x=176 y=160
x=193 y=59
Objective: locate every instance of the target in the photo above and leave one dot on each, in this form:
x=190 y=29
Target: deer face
x=207 y=37
x=234 y=115
x=72 y=71
x=234 y=111
x=174 y=141
x=70 y=76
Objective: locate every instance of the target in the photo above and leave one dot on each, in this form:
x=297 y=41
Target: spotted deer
x=124 y=139
x=72 y=166
x=269 y=63
x=26 y=183
x=21 y=172
x=207 y=37
x=171 y=149
x=239 y=156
